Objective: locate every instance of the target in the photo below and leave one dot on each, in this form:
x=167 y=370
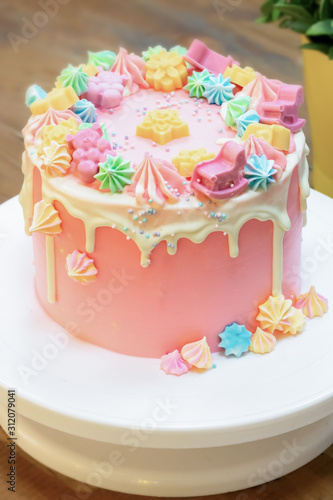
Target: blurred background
x=38 y=38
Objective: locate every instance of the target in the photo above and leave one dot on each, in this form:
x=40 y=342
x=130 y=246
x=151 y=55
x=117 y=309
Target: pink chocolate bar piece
x=201 y=57
x=284 y=111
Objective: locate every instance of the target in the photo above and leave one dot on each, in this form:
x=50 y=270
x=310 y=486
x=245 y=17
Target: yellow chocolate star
x=162 y=126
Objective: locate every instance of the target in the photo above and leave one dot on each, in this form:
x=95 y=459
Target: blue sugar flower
x=218 y=89
x=245 y=120
x=85 y=110
x=260 y=172
x=235 y=339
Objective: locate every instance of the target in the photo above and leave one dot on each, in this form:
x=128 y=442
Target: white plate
x=91 y=393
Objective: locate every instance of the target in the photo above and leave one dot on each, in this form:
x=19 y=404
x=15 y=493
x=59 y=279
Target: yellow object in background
x=318 y=70
x=240 y=76
x=60 y=98
x=276 y=135
x=188 y=159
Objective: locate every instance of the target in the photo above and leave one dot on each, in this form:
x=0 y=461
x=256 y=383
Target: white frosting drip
x=26 y=194
x=184 y=219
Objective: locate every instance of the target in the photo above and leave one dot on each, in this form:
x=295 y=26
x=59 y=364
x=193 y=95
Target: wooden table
x=225 y=25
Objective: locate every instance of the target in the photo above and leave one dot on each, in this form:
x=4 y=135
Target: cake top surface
x=173 y=143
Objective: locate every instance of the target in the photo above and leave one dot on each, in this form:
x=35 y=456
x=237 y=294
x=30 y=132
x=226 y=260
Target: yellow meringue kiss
x=262 y=342
x=297 y=321
x=56 y=159
x=80 y=267
x=277 y=313
x=312 y=304
x=198 y=354
x=46 y=219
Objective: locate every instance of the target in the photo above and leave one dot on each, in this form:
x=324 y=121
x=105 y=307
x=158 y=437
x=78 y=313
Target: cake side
x=180 y=297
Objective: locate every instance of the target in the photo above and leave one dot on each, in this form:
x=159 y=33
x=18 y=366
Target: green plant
x=313 y=18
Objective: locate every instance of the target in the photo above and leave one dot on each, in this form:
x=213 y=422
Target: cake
x=165 y=195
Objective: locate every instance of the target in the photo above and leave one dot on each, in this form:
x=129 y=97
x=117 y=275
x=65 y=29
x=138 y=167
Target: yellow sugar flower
x=57 y=133
x=274 y=313
x=166 y=71
x=278 y=314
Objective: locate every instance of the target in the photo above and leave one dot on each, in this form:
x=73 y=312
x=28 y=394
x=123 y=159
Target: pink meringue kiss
x=173 y=364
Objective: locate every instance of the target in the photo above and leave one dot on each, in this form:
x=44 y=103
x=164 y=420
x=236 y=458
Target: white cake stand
x=120 y=423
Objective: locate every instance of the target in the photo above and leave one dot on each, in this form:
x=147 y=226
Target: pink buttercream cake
x=165 y=194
